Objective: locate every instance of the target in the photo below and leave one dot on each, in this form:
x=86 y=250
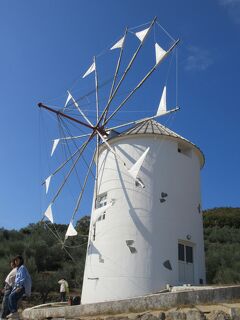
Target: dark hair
x=21 y=260
x=12 y=262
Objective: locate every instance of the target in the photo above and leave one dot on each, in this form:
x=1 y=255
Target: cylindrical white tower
x=150 y=236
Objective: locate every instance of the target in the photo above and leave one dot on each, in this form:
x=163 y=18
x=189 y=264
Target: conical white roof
x=151 y=126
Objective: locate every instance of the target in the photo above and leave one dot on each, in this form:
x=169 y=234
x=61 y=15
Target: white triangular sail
x=48 y=213
x=137 y=166
x=47 y=183
x=99 y=211
x=68 y=99
x=160 y=53
x=90 y=70
x=118 y=45
x=162 y=108
x=142 y=34
x=71 y=231
x=77 y=106
x=55 y=143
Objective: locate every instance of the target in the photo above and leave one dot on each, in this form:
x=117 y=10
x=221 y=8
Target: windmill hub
x=102 y=130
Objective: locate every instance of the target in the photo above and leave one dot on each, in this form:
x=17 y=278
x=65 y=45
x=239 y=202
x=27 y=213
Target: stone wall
x=152 y=307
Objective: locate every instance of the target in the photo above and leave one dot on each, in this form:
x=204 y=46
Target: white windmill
x=146 y=223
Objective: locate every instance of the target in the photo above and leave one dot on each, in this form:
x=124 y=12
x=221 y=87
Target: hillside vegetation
x=47 y=261
x=44 y=255
x=222 y=245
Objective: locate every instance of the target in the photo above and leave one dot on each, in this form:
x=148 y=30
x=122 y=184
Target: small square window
x=101 y=200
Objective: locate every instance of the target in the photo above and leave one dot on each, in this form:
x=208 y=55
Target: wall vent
x=130 y=244
x=167 y=265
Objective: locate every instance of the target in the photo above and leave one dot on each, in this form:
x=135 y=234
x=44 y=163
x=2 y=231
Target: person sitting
x=9 y=283
x=22 y=286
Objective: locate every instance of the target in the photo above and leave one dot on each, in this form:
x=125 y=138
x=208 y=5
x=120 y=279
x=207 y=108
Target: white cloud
x=198 y=59
x=233 y=9
x=229 y=2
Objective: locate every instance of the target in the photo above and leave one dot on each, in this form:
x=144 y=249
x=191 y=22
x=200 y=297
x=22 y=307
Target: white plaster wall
x=112 y=272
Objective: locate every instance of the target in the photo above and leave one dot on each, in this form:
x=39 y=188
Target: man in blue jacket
x=22 y=286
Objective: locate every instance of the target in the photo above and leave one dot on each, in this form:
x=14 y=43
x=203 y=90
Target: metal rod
x=97 y=138
x=65 y=162
x=114 y=152
x=126 y=70
x=83 y=188
x=73 y=166
x=110 y=148
x=84 y=160
x=141 y=82
x=97 y=168
x=142 y=120
x=80 y=111
x=117 y=156
x=81 y=193
x=116 y=74
x=132 y=60
x=41 y=105
x=75 y=137
x=96 y=88
x=158 y=115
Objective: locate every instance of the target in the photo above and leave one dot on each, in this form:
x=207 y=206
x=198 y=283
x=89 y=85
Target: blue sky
x=47 y=45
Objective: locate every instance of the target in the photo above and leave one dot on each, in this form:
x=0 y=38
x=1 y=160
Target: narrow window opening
x=94 y=232
x=101 y=217
x=189 y=254
x=181 y=254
